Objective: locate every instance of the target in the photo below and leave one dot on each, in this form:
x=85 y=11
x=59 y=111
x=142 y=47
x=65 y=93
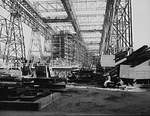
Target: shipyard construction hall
x=74 y=57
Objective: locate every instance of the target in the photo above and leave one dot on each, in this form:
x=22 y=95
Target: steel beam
x=69 y=10
x=90 y=15
x=68 y=19
x=56 y=20
x=109 y=16
x=117 y=28
x=92 y=30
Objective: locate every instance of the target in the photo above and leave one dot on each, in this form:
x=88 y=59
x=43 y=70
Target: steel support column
x=14 y=47
x=117 y=29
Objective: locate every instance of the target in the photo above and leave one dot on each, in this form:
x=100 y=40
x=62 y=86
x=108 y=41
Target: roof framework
x=84 y=17
x=105 y=26
x=90 y=15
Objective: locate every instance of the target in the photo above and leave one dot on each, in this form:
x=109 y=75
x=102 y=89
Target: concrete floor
x=90 y=101
x=30 y=113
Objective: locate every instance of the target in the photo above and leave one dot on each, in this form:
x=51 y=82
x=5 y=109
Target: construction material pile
x=14 y=88
x=133 y=68
x=137 y=57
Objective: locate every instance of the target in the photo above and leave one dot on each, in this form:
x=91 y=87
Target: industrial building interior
x=53 y=49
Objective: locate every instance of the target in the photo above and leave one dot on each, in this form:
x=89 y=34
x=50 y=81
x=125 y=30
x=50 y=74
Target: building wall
x=141 y=71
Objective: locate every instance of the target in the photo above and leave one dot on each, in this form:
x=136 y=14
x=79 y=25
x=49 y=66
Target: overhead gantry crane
x=117 y=28
x=29 y=15
x=117 y=25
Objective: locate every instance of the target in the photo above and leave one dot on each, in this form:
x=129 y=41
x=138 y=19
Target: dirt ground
x=93 y=101
x=89 y=101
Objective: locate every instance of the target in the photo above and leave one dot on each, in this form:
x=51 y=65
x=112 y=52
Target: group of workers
x=110 y=83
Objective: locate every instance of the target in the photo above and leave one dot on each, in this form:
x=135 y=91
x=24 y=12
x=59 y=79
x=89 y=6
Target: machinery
x=29 y=88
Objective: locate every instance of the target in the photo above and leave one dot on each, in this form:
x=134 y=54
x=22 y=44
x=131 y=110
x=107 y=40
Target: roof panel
x=90 y=15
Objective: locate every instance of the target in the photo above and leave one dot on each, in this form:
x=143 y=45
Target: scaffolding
x=69 y=50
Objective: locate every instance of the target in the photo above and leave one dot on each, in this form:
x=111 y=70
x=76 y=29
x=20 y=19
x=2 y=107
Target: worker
x=134 y=82
x=52 y=73
x=119 y=83
x=107 y=81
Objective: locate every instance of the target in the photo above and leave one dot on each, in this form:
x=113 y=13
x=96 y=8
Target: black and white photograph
x=74 y=57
